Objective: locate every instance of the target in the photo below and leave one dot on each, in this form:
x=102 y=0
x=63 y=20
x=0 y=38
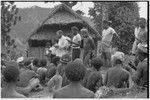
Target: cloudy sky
x=84 y=6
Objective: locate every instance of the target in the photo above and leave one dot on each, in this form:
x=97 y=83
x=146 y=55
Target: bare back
x=74 y=92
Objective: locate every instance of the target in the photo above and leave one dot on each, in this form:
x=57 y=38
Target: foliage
x=9 y=18
x=122 y=15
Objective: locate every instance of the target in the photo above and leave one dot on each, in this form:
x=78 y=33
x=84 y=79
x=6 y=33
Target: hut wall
x=38 y=52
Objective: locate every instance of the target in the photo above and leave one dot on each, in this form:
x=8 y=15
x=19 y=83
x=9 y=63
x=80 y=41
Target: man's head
x=106 y=24
x=84 y=33
x=74 y=30
x=65 y=59
x=36 y=62
x=141 y=52
x=117 y=58
x=142 y=22
x=27 y=63
x=59 y=34
x=11 y=73
x=75 y=72
x=96 y=63
x=43 y=63
x=56 y=60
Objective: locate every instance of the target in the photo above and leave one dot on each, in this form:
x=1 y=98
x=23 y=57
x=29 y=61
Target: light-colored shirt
x=63 y=42
x=76 y=39
x=55 y=83
x=107 y=34
x=41 y=70
x=136 y=31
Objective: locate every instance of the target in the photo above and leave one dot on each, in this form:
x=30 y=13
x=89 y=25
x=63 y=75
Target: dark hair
x=27 y=62
x=118 y=61
x=74 y=28
x=75 y=71
x=97 y=63
x=11 y=74
x=55 y=60
x=36 y=62
x=141 y=53
x=93 y=79
x=43 y=62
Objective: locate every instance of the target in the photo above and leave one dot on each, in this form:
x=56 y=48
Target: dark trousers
x=75 y=53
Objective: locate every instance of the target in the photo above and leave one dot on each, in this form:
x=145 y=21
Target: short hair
x=74 y=28
x=11 y=74
x=27 y=62
x=118 y=61
x=43 y=62
x=59 y=32
x=141 y=53
x=75 y=72
x=36 y=62
x=55 y=60
x=97 y=63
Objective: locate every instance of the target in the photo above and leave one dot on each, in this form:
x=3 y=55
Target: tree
x=122 y=15
x=9 y=18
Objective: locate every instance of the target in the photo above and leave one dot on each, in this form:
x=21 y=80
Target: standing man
x=88 y=46
x=76 y=42
x=107 y=36
x=62 y=45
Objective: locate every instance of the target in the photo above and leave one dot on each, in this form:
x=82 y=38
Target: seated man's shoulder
x=60 y=93
x=88 y=93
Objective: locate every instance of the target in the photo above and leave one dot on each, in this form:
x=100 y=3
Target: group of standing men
x=81 y=44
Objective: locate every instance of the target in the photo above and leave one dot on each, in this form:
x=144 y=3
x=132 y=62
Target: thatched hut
x=62 y=18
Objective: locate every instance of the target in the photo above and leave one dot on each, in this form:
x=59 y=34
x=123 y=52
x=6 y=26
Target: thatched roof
x=60 y=15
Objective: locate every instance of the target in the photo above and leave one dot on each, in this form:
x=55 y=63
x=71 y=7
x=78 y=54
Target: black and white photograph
x=75 y=49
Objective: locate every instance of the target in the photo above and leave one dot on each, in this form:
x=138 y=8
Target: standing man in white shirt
x=76 y=42
x=62 y=44
x=107 y=36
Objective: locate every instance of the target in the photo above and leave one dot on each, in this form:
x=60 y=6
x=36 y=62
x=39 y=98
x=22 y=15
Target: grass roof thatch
x=61 y=15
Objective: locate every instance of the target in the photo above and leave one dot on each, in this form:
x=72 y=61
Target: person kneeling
x=75 y=73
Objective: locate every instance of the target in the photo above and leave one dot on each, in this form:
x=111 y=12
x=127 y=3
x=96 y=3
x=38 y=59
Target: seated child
x=11 y=76
x=75 y=73
x=35 y=64
x=55 y=82
x=41 y=71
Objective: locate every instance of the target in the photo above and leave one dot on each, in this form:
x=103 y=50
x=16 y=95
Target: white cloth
x=20 y=59
x=76 y=39
x=107 y=34
x=62 y=42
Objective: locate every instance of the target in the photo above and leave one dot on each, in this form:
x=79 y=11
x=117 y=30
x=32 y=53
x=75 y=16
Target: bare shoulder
x=88 y=93
x=59 y=93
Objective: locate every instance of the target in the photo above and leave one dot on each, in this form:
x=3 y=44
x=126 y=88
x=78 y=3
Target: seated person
x=55 y=82
x=75 y=73
x=65 y=59
x=25 y=75
x=141 y=75
x=11 y=76
x=117 y=76
x=35 y=63
x=95 y=78
x=41 y=71
x=51 y=69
